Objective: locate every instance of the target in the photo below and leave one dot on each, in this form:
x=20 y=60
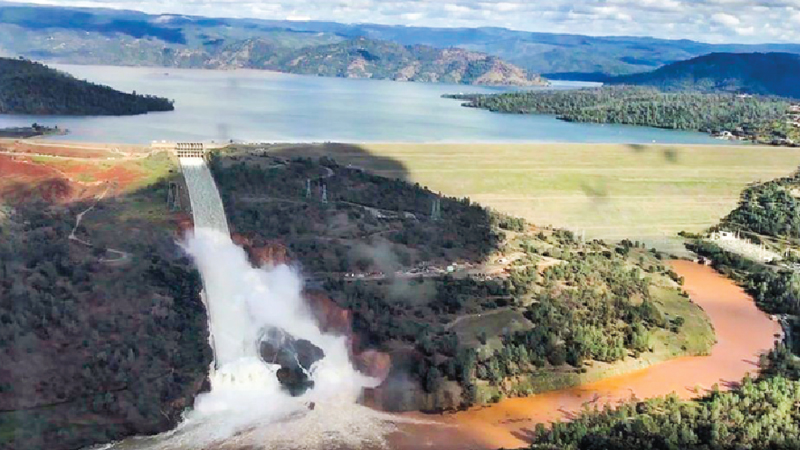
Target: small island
x=35 y=130
x=28 y=87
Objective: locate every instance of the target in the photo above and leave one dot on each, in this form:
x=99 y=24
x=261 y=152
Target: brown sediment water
x=743 y=334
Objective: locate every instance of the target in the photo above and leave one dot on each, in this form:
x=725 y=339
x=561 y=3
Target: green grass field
x=610 y=191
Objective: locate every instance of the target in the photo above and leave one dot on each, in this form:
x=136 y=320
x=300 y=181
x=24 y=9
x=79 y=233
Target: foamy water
x=246 y=406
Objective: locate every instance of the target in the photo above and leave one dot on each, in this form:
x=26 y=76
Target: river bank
x=743 y=333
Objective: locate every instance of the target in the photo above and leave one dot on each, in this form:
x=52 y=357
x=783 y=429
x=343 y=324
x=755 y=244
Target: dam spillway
x=207 y=209
x=246 y=406
x=234 y=336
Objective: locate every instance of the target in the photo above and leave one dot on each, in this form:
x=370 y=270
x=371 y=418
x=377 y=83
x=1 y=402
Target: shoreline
x=55 y=140
x=510 y=422
x=300 y=141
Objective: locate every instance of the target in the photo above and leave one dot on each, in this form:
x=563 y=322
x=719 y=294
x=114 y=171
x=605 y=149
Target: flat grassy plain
x=608 y=191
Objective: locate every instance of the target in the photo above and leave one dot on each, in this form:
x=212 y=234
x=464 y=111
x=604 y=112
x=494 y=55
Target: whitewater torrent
x=246 y=407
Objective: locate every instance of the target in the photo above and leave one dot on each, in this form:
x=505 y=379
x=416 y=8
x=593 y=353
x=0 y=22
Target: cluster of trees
x=775 y=291
x=608 y=316
x=748 y=116
x=271 y=204
x=28 y=87
x=770 y=209
x=760 y=414
x=93 y=352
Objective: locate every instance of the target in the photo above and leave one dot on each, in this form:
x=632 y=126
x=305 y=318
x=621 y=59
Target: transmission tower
x=308 y=187
x=324 y=193
x=436 y=209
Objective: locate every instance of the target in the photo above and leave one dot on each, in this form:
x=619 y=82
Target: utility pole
x=436 y=209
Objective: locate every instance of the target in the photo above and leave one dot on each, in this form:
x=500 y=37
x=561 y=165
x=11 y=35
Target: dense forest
x=757 y=118
x=761 y=414
x=770 y=209
x=465 y=337
x=758 y=414
x=95 y=347
x=739 y=73
x=27 y=87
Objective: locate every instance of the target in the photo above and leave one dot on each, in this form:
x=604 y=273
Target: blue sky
x=705 y=20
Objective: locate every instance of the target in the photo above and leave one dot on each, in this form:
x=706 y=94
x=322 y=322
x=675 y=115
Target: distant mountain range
x=31 y=88
x=94 y=36
x=119 y=38
x=369 y=58
x=748 y=73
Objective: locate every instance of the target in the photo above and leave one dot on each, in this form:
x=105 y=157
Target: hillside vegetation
x=744 y=73
x=761 y=414
x=770 y=209
x=27 y=87
x=103 y=334
x=521 y=310
x=761 y=119
x=611 y=191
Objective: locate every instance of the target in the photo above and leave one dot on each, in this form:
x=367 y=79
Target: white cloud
x=725 y=19
x=706 y=20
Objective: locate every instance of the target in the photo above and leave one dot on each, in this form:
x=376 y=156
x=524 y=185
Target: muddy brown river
x=743 y=333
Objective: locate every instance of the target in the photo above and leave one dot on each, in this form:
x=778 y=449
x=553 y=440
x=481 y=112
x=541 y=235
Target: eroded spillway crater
x=296 y=358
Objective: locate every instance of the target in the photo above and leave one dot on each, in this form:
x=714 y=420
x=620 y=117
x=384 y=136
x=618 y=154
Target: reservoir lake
x=261 y=106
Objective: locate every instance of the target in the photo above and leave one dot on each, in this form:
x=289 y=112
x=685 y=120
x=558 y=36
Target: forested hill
x=769 y=209
x=750 y=73
x=28 y=87
x=770 y=120
x=369 y=58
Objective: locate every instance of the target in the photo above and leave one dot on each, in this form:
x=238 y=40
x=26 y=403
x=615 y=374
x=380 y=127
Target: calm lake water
x=252 y=105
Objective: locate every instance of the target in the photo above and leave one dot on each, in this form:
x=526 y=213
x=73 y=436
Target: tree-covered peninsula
x=764 y=119
x=28 y=87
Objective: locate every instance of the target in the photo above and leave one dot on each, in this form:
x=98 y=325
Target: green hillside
x=28 y=87
x=747 y=73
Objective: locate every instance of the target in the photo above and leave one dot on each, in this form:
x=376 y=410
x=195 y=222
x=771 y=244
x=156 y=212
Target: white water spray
x=246 y=407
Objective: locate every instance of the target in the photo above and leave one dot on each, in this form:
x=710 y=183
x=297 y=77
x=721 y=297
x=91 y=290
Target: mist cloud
x=705 y=20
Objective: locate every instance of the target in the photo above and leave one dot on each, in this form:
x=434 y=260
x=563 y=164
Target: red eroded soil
x=21 y=180
x=743 y=333
x=119 y=175
x=54 y=149
x=11 y=167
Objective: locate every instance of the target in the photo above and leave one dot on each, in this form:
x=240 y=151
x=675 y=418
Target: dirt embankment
x=71 y=175
x=743 y=333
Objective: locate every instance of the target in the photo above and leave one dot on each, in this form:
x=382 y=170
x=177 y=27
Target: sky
x=714 y=21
